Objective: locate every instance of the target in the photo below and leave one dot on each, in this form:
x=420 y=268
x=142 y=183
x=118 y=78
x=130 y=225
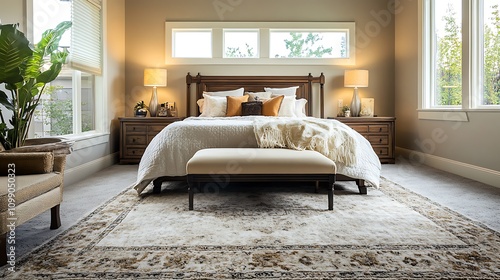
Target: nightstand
x=136 y=133
x=380 y=131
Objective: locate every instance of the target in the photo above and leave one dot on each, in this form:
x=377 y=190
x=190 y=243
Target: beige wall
x=12 y=12
x=469 y=143
x=145 y=44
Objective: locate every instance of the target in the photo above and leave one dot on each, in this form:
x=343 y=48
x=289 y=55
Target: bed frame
x=256 y=84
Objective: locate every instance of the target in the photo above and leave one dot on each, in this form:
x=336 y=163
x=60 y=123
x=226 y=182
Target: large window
x=316 y=43
x=461 y=54
x=68 y=103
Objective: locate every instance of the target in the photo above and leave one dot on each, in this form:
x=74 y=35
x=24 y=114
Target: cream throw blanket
x=328 y=137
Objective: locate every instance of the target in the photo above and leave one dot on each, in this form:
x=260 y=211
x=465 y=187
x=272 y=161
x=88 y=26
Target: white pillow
x=287 y=108
x=290 y=91
x=214 y=106
x=236 y=92
x=260 y=95
x=300 y=108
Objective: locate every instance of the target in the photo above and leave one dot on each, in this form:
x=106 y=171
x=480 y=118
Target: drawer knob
x=133 y=140
x=379 y=129
x=380 y=140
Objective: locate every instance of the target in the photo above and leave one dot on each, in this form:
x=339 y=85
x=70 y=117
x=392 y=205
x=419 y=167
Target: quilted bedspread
x=170 y=150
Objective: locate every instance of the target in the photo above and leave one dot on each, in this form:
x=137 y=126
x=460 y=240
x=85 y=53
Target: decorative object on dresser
x=155 y=78
x=367 y=107
x=136 y=133
x=140 y=109
x=355 y=79
x=380 y=132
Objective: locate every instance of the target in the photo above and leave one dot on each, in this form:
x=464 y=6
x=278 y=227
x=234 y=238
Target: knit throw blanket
x=325 y=136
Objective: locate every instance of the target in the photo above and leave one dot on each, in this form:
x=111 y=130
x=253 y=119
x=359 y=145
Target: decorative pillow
x=287 y=108
x=258 y=95
x=251 y=108
x=236 y=92
x=289 y=91
x=201 y=104
x=300 y=107
x=272 y=106
x=26 y=163
x=214 y=106
x=234 y=105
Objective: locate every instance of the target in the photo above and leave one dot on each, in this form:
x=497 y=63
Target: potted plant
x=25 y=70
x=140 y=109
x=346 y=111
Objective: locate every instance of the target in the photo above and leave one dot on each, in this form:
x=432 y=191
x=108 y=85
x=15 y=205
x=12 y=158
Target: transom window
x=317 y=43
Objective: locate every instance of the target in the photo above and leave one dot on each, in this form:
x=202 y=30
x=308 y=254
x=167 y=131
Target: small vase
x=355 y=104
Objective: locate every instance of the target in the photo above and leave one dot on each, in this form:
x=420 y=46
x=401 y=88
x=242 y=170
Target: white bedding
x=170 y=150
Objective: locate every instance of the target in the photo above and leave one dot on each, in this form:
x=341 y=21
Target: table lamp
x=156 y=78
x=355 y=79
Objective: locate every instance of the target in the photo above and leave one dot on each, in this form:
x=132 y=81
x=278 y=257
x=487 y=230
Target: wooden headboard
x=255 y=84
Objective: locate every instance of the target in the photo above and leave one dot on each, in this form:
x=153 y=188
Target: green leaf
x=14 y=51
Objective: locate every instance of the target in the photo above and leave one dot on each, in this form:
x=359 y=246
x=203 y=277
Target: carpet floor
x=283 y=232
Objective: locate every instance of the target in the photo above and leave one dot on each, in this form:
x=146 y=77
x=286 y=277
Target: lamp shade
x=356 y=78
x=155 y=77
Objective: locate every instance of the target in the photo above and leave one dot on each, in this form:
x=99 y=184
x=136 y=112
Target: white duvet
x=170 y=150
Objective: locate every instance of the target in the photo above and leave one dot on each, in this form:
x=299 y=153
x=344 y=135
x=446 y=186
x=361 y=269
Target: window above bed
x=285 y=43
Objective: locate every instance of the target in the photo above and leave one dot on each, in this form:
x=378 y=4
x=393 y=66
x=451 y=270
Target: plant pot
x=141 y=113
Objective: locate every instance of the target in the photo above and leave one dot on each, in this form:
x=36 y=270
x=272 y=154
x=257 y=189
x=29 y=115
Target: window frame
x=101 y=130
x=472 y=63
x=263 y=51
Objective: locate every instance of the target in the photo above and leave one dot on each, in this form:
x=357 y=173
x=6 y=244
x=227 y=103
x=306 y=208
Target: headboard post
x=189 y=80
x=322 y=94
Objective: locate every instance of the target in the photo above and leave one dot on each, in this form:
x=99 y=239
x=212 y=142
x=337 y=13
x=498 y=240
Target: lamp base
x=355 y=104
x=153 y=103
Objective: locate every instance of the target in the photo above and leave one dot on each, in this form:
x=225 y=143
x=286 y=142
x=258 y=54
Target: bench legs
x=194 y=182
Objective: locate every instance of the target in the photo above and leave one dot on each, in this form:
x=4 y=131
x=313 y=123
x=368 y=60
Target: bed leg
x=361 y=186
x=316 y=190
x=157 y=185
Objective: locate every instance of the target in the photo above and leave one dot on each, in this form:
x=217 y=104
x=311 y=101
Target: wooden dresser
x=380 y=131
x=136 y=133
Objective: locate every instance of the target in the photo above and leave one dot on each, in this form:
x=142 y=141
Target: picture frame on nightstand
x=367 y=107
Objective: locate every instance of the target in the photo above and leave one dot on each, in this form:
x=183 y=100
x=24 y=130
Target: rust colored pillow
x=234 y=105
x=271 y=107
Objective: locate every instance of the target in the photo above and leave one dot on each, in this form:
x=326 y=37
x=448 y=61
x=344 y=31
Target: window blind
x=86 y=36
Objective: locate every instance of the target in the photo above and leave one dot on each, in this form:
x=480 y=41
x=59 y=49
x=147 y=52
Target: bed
x=166 y=156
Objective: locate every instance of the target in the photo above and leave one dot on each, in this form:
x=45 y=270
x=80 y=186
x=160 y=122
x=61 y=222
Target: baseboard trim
x=477 y=173
x=80 y=172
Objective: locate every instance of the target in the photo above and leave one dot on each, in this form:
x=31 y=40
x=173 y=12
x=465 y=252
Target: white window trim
x=264 y=27
x=101 y=133
x=471 y=72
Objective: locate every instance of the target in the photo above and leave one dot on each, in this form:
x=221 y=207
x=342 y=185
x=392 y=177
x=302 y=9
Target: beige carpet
x=248 y=232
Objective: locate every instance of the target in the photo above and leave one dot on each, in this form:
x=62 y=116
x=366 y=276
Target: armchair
x=31 y=183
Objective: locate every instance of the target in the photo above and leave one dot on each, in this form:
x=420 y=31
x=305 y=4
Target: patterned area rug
x=269 y=232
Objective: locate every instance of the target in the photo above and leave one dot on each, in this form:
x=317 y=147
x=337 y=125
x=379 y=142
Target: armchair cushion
x=28 y=187
x=26 y=163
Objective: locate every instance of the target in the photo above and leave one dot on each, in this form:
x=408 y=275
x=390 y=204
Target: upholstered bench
x=259 y=165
